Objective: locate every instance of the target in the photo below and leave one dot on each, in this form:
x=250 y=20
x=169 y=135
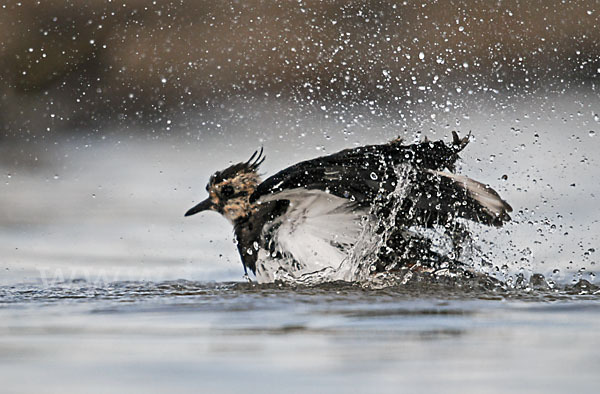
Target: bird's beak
x=203 y=206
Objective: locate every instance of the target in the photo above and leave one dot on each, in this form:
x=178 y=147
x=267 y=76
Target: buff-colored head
x=229 y=190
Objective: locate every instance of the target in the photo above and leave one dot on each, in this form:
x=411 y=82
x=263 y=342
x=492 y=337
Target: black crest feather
x=251 y=165
x=258 y=158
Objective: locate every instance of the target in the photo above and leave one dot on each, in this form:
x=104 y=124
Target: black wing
x=361 y=174
x=438 y=197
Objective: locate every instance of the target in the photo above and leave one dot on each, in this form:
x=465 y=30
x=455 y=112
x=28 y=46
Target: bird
x=313 y=216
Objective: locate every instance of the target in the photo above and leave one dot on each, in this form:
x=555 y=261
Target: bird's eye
x=227 y=191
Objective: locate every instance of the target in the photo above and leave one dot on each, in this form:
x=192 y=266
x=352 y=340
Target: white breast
x=315 y=235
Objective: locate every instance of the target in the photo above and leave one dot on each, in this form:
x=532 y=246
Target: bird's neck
x=239 y=210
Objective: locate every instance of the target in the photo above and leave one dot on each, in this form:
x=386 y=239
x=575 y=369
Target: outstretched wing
x=361 y=174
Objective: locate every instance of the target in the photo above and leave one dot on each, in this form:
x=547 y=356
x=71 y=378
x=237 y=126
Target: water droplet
x=492 y=157
x=56 y=176
x=373 y=176
x=93 y=196
x=421 y=55
x=591 y=133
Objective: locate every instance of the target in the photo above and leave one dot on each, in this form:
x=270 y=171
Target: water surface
x=233 y=337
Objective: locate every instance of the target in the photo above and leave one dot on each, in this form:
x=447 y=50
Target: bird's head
x=229 y=190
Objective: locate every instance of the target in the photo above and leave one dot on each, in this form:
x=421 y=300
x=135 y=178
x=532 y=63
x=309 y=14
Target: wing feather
x=316 y=231
x=361 y=174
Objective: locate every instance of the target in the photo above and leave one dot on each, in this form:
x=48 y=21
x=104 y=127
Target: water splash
x=391 y=248
x=376 y=230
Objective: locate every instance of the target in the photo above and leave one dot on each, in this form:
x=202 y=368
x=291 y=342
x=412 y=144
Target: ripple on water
x=420 y=285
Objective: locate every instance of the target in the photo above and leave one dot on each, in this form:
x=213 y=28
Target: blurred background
x=68 y=65
x=114 y=113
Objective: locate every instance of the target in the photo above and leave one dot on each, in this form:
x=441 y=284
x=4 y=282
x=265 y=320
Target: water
x=105 y=286
x=232 y=337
